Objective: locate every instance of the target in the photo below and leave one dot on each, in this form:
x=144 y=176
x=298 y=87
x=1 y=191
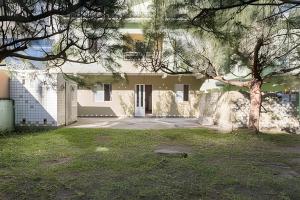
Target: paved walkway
x=136 y=123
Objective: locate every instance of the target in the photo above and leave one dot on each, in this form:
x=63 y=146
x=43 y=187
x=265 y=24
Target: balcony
x=133 y=55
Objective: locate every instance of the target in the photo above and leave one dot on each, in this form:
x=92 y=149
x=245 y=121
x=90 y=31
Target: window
x=98 y=94
x=182 y=92
x=102 y=92
x=134 y=47
x=93 y=45
x=42 y=44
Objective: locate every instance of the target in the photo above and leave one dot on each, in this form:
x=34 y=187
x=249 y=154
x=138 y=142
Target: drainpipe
x=66 y=123
x=299 y=103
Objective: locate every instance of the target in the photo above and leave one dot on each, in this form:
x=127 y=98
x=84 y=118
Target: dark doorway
x=148 y=99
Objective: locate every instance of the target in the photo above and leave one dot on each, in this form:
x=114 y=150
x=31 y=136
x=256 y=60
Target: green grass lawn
x=120 y=164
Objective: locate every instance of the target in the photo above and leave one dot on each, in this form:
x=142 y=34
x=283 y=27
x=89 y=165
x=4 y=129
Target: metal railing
x=132 y=55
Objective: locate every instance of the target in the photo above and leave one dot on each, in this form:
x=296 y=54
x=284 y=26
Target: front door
x=140 y=100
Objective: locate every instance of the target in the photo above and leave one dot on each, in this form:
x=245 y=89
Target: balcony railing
x=132 y=55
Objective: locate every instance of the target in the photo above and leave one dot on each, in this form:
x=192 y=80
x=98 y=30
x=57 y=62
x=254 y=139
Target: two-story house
x=134 y=91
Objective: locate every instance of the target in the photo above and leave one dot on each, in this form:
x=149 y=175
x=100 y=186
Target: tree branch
x=232 y=82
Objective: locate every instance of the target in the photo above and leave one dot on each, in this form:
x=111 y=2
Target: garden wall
x=230 y=110
x=4 y=84
x=7 y=115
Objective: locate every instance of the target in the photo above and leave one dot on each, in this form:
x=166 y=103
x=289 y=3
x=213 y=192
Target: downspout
x=66 y=123
x=299 y=103
x=13 y=102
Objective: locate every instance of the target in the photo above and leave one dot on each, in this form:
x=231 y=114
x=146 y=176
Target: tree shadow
x=95 y=111
x=275 y=114
x=127 y=106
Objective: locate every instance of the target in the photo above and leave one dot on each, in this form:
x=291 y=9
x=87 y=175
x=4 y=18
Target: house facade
x=140 y=96
x=49 y=99
x=135 y=93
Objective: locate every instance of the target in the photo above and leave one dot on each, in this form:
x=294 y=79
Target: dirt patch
x=58 y=161
x=103 y=138
x=7 y=177
x=64 y=194
x=283 y=170
x=295 y=161
x=247 y=192
x=289 y=174
x=292 y=149
x=4 y=197
x=295 y=149
x=250 y=192
x=176 y=150
x=242 y=190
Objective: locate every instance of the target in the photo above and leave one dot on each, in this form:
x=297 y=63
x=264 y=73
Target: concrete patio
x=136 y=123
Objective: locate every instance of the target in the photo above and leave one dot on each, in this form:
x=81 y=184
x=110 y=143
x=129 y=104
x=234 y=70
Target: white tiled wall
x=40 y=99
x=35 y=99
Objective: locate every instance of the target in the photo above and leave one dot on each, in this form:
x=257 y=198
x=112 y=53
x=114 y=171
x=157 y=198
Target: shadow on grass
x=284 y=139
x=281 y=139
x=20 y=131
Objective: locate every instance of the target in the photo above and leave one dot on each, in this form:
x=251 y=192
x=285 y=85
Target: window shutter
x=186 y=93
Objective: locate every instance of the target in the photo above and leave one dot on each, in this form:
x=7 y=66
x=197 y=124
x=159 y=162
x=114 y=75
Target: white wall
x=43 y=99
x=66 y=101
x=71 y=102
x=7 y=115
x=35 y=98
x=61 y=100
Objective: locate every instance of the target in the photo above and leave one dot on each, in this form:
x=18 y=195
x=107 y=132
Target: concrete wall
x=71 y=99
x=7 y=115
x=4 y=84
x=61 y=97
x=230 y=110
x=66 y=101
x=163 y=97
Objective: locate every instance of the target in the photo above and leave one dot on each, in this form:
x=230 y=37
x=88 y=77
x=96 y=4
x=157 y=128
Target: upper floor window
x=134 y=47
x=93 y=46
x=42 y=44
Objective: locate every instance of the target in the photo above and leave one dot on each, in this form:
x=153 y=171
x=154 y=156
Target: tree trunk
x=255 y=105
